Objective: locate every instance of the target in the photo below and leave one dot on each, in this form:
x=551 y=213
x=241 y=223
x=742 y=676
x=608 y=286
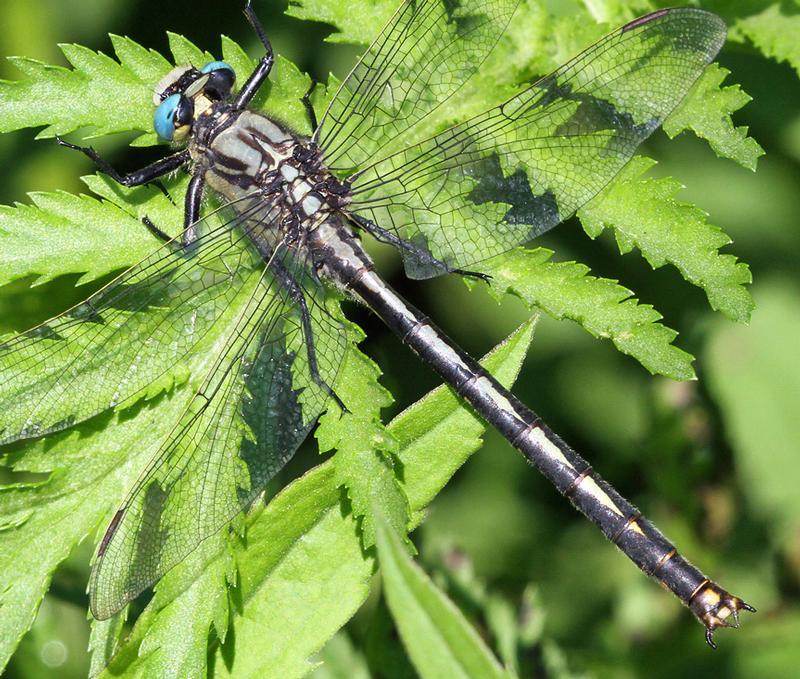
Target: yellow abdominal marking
x=590 y=486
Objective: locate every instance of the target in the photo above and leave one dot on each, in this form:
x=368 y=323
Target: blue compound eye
x=173 y=117
x=220 y=80
x=216 y=66
x=164 y=118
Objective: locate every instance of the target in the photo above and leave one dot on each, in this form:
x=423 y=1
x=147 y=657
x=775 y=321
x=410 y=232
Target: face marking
x=202 y=105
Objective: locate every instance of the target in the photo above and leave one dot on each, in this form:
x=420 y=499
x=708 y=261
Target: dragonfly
x=257 y=273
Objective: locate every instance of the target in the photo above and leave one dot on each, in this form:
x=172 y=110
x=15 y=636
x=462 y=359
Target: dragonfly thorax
x=251 y=155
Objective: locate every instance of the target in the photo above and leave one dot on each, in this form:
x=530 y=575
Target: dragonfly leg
x=310 y=112
x=259 y=75
x=296 y=295
x=194 y=197
x=485 y=277
x=149 y=173
x=191 y=213
x=419 y=253
x=158 y=233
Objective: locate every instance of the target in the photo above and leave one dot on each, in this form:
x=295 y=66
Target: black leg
x=421 y=255
x=257 y=78
x=310 y=112
x=191 y=214
x=296 y=295
x=485 y=277
x=158 y=233
x=146 y=175
x=160 y=185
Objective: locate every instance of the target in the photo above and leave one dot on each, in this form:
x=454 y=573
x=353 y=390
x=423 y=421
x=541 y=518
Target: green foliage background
x=713 y=462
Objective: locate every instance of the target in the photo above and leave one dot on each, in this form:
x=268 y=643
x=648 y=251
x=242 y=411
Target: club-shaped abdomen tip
x=715 y=607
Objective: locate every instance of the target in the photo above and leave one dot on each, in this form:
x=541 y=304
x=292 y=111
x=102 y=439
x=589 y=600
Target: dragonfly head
x=186 y=93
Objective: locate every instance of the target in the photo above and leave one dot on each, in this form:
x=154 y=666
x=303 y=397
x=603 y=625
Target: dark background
x=712 y=462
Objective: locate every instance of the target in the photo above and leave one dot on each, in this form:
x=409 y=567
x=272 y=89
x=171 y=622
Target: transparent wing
x=506 y=176
x=255 y=405
x=424 y=54
x=133 y=338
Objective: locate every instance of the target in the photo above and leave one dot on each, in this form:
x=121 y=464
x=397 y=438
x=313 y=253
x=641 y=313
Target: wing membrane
x=510 y=174
x=424 y=54
x=254 y=407
x=132 y=338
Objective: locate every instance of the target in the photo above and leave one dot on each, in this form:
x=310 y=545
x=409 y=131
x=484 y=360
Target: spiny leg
x=421 y=254
x=261 y=72
x=149 y=173
x=191 y=215
x=310 y=112
x=296 y=295
x=162 y=235
x=191 y=212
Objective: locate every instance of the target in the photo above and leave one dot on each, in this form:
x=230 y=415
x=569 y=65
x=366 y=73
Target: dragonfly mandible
x=293 y=210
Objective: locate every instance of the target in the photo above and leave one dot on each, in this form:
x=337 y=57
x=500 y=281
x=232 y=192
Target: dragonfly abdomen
x=573 y=476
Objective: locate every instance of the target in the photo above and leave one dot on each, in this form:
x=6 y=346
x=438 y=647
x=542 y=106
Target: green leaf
x=601 y=306
x=304 y=548
x=184 y=51
x=644 y=213
x=774 y=33
x=707 y=112
x=357 y=27
x=364 y=459
x=98 y=93
x=171 y=636
x=754 y=376
x=88 y=470
x=439 y=640
x=62 y=234
x=302 y=577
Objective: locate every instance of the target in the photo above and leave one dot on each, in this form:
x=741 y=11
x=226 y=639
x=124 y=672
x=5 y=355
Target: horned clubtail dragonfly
x=288 y=232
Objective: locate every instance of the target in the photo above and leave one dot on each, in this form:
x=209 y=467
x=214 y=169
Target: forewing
x=510 y=174
x=424 y=54
x=255 y=405
x=134 y=338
